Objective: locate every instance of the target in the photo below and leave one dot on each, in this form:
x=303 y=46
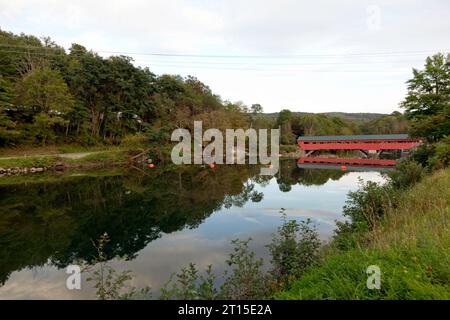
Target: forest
x=50 y=96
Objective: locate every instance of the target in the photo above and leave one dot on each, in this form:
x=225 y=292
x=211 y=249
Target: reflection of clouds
x=253 y=220
x=46 y=282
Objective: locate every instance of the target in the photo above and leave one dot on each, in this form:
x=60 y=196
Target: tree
x=427 y=102
x=284 y=122
x=256 y=108
x=44 y=90
x=44 y=93
x=6 y=93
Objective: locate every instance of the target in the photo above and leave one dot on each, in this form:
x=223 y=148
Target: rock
x=39 y=169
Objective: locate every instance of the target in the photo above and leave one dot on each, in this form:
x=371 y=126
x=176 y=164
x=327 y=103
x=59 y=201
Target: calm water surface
x=157 y=222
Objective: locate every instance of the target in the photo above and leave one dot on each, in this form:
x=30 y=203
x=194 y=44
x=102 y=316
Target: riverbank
x=81 y=160
x=57 y=158
x=410 y=244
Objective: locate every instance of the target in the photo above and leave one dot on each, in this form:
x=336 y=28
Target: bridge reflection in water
x=350 y=164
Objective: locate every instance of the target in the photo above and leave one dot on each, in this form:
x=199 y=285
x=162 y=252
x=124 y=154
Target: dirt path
x=71 y=155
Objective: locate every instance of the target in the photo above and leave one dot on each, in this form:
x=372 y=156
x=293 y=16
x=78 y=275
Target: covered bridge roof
x=354 y=137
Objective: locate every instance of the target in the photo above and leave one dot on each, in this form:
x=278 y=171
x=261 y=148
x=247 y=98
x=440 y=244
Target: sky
x=310 y=56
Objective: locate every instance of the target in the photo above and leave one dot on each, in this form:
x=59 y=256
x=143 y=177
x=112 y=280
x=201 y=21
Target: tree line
x=48 y=95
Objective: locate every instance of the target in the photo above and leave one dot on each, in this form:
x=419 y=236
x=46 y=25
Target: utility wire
x=226 y=62
x=279 y=56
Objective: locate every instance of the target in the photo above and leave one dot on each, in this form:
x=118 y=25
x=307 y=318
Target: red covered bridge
x=364 y=143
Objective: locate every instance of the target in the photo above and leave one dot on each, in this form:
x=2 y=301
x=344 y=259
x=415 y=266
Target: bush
x=294 y=248
x=406 y=174
x=441 y=156
x=189 y=285
x=364 y=209
x=246 y=281
x=422 y=154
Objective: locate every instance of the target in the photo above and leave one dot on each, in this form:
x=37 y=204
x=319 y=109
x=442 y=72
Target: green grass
x=108 y=157
x=26 y=150
x=411 y=245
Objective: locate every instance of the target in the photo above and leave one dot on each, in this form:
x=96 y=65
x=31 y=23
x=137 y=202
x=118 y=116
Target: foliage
x=43 y=90
x=246 y=279
x=284 y=122
x=101 y=100
x=256 y=108
x=433 y=155
x=409 y=244
x=406 y=174
x=441 y=156
x=363 y=209
x=389 y=124
x=190 y=286
x=109 y=283
x=427 y=103
x=294 y=248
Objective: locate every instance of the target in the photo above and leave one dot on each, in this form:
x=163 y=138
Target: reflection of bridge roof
x=354 y=137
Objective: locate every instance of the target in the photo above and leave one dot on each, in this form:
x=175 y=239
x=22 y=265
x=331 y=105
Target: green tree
x=427 y=103
x=284 y=122
x=44 y=90
x=256 y=108
x=44 y=93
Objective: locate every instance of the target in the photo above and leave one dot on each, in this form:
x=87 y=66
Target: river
x=157 y=221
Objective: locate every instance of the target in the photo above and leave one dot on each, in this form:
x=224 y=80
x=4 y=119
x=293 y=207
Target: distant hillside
x=361 y=116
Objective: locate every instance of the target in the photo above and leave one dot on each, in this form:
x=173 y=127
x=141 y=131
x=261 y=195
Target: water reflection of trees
x=290 y=175
x=56 y=221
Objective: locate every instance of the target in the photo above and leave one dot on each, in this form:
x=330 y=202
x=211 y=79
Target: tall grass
x=410 y=243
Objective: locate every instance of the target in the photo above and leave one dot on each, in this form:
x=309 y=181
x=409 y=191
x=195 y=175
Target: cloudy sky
x=316 y=56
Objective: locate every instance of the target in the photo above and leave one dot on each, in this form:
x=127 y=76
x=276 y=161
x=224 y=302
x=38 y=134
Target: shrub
x=188 y=285
x=294 y=248
x=110 y=284
x=246 y=281
x=406 y=174
x=441 y=156
x=422 y=154
x=363 y=208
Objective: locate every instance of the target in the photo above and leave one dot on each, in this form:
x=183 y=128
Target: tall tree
x=44 y=90
x=284 y=122
x=427 y=102
x=256 y=108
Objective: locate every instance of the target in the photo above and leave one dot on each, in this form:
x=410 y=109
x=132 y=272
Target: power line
x=278 y=56
x=227 y=62
x=227 y=65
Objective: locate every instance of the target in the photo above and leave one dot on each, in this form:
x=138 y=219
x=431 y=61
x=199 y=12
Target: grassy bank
x=69 y=160
x=410 y=244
